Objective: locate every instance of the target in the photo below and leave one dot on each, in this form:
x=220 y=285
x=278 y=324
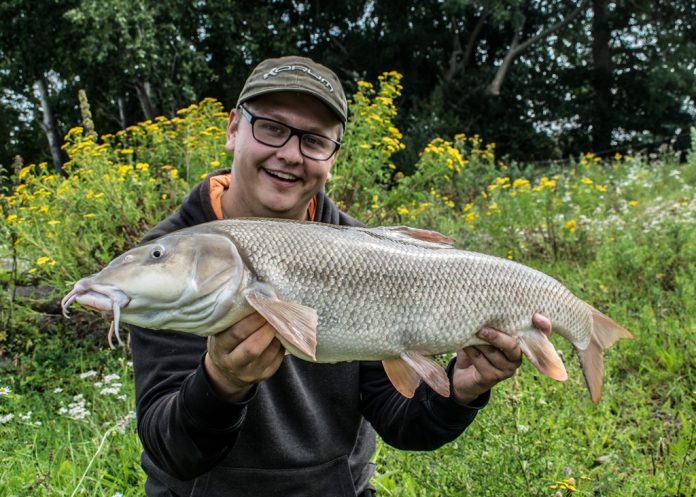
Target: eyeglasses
x=276 y=134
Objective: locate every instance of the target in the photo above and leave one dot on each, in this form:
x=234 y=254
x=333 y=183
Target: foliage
x=133 y=60
x=618 y=231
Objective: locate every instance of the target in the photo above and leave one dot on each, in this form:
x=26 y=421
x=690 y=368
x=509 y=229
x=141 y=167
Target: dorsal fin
x=413 y=236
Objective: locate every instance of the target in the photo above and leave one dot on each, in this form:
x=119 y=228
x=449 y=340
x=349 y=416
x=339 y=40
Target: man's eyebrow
x=314 y=128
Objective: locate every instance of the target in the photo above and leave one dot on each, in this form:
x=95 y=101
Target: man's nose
x=290 y=152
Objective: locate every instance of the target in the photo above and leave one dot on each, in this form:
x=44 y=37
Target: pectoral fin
x=296 y=324
x=541 y=352
x=407 y=371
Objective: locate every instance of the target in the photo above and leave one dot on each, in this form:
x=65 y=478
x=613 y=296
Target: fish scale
x=441 y=296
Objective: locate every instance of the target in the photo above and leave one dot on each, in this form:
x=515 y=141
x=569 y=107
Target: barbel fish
x=335 y=293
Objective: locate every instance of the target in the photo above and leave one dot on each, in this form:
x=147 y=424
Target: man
x=233 y=415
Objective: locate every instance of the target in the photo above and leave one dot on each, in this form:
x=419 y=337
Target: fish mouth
x=281 y=175
x=106 y=299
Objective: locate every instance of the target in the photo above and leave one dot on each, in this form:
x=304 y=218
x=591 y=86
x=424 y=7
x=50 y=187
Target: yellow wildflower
x=520 y=183
x=571 y=225
x=617 y=156
x=53 y=222
x=633 y=203
x=25 y=171
x=586 y=181
x=11 y=218
x=43 y=260
x=401 y=211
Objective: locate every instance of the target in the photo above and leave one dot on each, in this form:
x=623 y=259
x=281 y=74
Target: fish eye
x=157 y=252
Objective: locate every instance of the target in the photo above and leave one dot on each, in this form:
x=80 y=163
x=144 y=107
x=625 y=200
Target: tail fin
x=605 y=332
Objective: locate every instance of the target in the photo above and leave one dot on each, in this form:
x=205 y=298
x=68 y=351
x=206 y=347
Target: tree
x=34 y=49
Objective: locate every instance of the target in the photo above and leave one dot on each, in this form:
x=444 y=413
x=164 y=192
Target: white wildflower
x=57 y=390
x=76 y=410
x=110 y=390
x=25 y=417
x=6 y=418
x=88 y=374
x=111 y=377
x=122 y=423
x=4 y=391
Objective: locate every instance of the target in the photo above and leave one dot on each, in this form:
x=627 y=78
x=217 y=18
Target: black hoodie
x=307 y=431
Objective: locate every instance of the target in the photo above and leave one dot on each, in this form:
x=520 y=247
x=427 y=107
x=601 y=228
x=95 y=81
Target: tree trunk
x=122 y=113
x=494 y=87
x=517 y=48
x=144 y=93
x=459 y=59
x=602 y=75
x=48 y=125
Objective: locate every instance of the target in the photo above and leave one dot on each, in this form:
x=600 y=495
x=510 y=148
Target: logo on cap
x=281 y=69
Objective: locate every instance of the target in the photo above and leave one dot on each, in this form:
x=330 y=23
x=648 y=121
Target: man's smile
x=280 y=175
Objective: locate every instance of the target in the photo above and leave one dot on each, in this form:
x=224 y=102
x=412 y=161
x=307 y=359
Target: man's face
x=278 y=182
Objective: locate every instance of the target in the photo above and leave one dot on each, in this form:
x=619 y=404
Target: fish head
x=175 y=282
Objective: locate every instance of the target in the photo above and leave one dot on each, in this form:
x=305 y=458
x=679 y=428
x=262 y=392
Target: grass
x=72 y=430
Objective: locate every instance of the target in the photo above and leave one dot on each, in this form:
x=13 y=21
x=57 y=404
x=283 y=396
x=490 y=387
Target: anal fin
x=542 y=354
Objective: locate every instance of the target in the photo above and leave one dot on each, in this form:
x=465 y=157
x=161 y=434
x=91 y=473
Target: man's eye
x=271 y=128
x=315 y=141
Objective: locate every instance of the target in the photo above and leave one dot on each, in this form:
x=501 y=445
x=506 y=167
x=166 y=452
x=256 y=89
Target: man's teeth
x=280 y=175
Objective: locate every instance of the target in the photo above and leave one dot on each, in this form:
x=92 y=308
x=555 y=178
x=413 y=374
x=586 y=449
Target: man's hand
x=480 y=367
x=243 y=355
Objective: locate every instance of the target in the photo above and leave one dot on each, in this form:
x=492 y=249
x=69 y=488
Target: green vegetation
x=620 y=232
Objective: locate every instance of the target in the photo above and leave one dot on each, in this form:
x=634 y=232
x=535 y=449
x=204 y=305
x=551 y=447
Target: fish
x=395 y=294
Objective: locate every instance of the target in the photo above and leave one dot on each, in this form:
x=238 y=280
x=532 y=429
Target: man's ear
x=232 y=126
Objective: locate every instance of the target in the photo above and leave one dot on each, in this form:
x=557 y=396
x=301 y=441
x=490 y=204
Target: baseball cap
x=300 y=74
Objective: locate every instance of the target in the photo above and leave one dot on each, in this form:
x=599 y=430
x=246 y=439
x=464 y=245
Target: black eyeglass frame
x=293 y=132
